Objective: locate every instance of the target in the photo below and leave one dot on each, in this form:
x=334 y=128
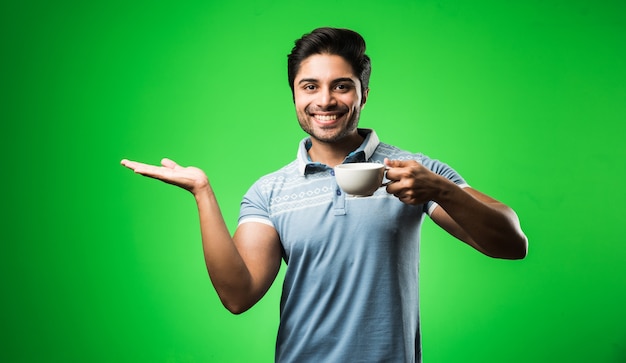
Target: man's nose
x=326 y=98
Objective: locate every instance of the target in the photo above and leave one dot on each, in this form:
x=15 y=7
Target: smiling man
x=350 y=292
x=328 y=99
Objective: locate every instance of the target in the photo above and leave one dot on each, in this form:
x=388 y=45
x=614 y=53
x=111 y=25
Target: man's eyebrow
x=344 y=79
x=308 y=80
x=338 y=80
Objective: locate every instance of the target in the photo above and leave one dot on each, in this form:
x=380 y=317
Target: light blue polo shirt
x=350 y=292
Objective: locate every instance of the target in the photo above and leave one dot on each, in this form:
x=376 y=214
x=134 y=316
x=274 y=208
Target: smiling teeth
x=326 y=118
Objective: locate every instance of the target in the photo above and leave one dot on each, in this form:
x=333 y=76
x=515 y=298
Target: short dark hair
x=346 y=43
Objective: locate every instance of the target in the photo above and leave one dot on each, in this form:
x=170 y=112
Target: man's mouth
x=325 y=118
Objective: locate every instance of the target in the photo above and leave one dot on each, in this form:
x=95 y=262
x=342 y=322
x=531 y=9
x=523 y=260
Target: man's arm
x=242 y=267
x=482 y=222
x=475 y=218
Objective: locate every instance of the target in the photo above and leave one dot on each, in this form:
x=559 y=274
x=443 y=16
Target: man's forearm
x=493 y=227
x=225 y=265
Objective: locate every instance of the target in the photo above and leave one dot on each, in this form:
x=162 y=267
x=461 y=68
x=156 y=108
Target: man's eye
x=309 y=87
x=342 y=87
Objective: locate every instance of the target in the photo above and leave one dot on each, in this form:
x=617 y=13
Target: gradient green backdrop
x=526 y=99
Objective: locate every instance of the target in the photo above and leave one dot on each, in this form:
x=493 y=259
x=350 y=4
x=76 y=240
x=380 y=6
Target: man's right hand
x=189 y=178
x=243 y=267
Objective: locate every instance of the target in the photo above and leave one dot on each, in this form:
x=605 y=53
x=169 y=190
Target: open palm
x=190 y=178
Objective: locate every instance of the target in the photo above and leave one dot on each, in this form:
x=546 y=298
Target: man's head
x=342 y=42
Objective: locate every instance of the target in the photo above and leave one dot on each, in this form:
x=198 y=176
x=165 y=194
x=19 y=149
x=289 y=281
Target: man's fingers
x=391 y=163
x=399 y=163
x=147 y=169
x=143 y=169
x=130 y=164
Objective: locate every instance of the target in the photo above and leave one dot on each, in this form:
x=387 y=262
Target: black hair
x=346 y=43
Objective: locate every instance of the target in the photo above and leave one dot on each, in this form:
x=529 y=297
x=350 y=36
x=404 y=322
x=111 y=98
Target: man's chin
x=330 y=136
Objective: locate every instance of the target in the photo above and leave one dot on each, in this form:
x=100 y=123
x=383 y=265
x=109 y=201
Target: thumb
x=168 y=163
x=396 y=163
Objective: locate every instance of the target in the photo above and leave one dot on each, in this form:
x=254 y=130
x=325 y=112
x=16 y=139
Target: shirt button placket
x=339 y=199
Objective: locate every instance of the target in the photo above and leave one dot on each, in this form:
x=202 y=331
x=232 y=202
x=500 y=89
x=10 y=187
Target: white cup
x=360 y=179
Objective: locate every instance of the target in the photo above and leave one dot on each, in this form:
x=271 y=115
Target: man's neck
x=333 y=154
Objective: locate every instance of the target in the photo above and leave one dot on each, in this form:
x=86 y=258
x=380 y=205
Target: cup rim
x=360 y=166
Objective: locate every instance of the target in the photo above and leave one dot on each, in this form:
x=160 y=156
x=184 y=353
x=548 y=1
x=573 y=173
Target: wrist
x=202 y=192
x=446 y=191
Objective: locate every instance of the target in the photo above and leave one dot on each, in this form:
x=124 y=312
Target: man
x=351 y=287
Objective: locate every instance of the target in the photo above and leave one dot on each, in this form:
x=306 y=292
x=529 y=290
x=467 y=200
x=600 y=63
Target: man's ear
x=364 y=96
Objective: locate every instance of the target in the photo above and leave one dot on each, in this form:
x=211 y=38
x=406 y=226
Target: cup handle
x=389 y=182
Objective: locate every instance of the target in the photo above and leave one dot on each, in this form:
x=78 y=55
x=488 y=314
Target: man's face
x=328 y=97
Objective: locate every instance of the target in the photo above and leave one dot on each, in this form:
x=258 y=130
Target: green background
x=527 y=100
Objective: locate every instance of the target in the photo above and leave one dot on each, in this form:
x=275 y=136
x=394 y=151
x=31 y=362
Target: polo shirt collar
x=361 y=154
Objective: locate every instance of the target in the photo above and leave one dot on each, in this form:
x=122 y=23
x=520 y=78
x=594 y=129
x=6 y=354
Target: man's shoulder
x=392 y=152
x=395 y=153
x=290 y=168
x=285 y=172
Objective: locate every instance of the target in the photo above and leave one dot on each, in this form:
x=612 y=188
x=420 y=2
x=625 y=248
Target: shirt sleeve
x=255 y=207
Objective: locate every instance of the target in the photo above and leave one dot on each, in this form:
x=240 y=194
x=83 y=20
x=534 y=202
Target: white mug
x=360 y=179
